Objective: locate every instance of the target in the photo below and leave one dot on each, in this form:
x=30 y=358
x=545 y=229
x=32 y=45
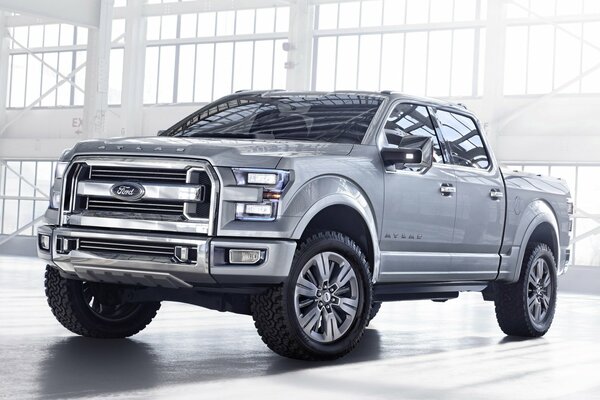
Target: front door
x=420 y=206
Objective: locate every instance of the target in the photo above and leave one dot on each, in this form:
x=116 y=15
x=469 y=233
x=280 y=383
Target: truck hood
x=219 y=152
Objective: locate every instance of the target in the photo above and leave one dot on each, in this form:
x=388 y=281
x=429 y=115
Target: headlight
x=55 y=190
x=273 y=183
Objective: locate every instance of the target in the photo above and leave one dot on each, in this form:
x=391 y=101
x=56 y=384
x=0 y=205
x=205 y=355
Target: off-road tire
x=65 y=298
x=510 y=300
x=274 y=314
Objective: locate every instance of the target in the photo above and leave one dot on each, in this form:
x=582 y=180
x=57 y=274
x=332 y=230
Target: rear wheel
x=95 y=309
x=321 y=312
x=526 y=308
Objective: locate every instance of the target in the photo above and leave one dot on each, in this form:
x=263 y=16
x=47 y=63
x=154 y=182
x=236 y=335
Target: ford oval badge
x=128 y=191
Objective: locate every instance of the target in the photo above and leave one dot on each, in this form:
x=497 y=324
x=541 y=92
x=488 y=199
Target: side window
x=463 y=140
x=411 y=119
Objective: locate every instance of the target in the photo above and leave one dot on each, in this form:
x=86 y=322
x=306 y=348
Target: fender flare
x=346 y=193
x=544 y=214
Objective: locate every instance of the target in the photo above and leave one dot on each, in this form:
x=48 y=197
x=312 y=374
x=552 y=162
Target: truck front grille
x=174 y=192
x=133 y=248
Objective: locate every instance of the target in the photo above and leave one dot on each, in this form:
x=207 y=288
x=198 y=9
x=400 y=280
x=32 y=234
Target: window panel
x=151 y=75
x=591 y=7
x=185 y=84
x=463 y=140
x=244 y=22
x=392 y=60
x=21 y=35
x=368 y=68
x=49 y=79
x=51 y=35
x=65 y=66
x=347 y=63
x=153 y=28
x=118 y=29
x=188 y=26
x=465 y=10
x=204 y=72
x=440 y=11
x=25 y=216
x=11 y=209
x=18 y=78
x=67 y=35
x=263 y=64
x=371 y=13
x=325 y=79
x=394 y=12
x=222 y=74
x=591 y=58
x=36 y=36
x=328 y=16
x=168 y=27
x=568 y=7
x=80 y=59
x=282 y=19
x=82 y=34
x=543 y=8
x=349 y=14
x=34 y=80
x=462 y=62
x=242 y=71
x=417 y=11
x=166 y=74
x=265 y=20
x=206 y=24
x=27 y=172
x=415 y=67
x=438 y=73
x=225 y=23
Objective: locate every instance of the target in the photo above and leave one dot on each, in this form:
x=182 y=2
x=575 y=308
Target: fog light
x=44 y=242
x=254 y=211
x=241 y=256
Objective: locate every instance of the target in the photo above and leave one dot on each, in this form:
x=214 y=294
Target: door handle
x=447 y=189
x=496 y=194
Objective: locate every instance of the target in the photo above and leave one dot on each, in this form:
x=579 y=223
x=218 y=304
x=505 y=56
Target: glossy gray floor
x=413 y=350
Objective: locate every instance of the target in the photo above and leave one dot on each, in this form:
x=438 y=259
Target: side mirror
x=414 y=152
x=160 y=132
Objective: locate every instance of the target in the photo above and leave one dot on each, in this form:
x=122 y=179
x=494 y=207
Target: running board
x=424 y=291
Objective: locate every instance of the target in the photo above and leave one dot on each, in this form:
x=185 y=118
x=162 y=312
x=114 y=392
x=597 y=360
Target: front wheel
x=321 y=311
x=526 y=308
x=95 y=309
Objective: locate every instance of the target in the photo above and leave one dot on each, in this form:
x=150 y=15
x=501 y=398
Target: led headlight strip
x=272 y=181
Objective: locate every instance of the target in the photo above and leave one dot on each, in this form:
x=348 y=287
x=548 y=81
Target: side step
x=438 y=291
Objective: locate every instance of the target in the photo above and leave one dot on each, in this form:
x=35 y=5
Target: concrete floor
x=412 y=350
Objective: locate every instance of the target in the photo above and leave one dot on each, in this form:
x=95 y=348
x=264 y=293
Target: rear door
x=481 y=205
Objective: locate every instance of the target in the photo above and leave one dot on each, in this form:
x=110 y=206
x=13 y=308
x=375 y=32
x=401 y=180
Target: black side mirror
x=415 y=152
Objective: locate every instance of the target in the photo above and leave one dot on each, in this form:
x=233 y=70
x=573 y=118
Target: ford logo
x=128 y=191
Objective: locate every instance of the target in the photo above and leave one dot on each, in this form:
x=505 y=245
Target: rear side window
x=411 y=120
x=463 y=139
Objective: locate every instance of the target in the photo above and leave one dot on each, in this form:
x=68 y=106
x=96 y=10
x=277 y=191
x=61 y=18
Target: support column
x=299 y=46
x=95 y=103
x=493 y=78
x=133 y=70
x=4 y=46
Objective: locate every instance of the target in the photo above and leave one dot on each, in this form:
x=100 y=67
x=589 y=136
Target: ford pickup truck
x=305 y=210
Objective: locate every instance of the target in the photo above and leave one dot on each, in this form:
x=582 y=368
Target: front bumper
x=86 y=254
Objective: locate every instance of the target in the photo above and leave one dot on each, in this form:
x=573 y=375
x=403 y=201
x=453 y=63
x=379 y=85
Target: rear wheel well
x=544 y=233
x=346 y=220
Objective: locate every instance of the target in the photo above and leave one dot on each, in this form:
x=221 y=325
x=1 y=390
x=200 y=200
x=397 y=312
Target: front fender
x=326 y=191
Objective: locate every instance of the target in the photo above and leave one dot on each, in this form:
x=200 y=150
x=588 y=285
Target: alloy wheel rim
x=326 y=297
x=539 y=291
x=107 y=312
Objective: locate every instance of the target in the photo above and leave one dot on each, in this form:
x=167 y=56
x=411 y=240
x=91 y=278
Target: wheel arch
x=349 y=215
x=542 y=228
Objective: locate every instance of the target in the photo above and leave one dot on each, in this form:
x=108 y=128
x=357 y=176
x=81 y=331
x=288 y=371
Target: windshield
x=337 y=118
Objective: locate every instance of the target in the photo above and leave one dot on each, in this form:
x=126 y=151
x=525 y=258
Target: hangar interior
x=72 y=70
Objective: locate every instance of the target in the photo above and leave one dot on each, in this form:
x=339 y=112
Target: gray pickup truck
x=305 y=210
